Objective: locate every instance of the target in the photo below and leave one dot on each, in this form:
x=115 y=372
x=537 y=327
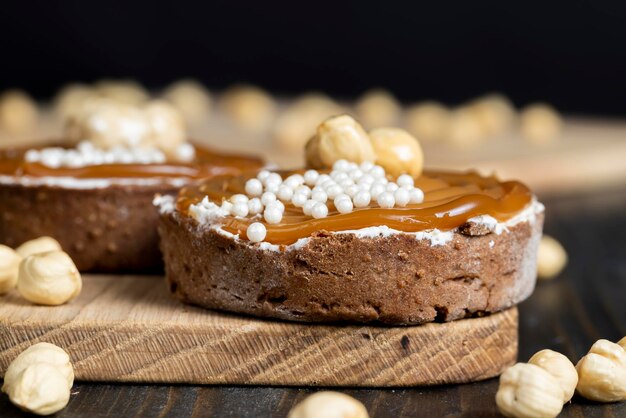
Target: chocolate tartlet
x=465 y=247
x=101 y=213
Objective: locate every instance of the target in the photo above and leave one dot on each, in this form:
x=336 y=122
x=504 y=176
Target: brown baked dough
x=395 y=280
x=111 y=229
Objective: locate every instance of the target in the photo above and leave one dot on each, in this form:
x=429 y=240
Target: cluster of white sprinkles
x=347 y=186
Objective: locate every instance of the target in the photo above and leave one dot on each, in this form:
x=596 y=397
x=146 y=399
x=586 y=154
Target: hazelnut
x=378 y=108
x=122 y=91
x=559 y=367
x=39 y=379
x=602 y=373
x=528 y=391
x=494 y=113
x=18 y=112
x=428 y=121
x=540 y=124
x=622 y=343
x=167 y=129
x=38 y=245
x=9 y=265
x=551 y=259
x=397 y=151
x=249 y=107
x=294 y=126
x=465 y=129
x=49 y=278
x=108 y=124
x=337 y=138
x=328 y=404
x=191 y=99
x=71 y=99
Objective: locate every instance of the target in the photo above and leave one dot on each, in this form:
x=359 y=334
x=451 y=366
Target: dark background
x=572 y=54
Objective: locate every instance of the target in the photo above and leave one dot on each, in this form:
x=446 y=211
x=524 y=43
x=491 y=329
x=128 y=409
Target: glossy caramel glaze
x=450 y=199
x=207 y=163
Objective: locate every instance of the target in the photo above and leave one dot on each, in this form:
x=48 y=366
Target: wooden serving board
x=129 y=329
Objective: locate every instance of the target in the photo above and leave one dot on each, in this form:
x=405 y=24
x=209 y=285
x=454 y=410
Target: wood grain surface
x=568 y=314
x=129 y=329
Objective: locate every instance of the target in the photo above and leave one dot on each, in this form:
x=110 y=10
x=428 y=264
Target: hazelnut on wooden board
x=397 y=151
x=559 y=367
x=249 y=107
x=464 y=129
x=191 y=99
x=49 y=278
x=428 y=121
x=540 y=124
x=339 y=138
x=377 y=108
x=122 y=91
x=39 y=379
x=9 y=266
x=494 y=113
x=602 y=372
x=528 y=391
x=18 y=112
x=38 y=245
x=328 y=404
x=551 y=259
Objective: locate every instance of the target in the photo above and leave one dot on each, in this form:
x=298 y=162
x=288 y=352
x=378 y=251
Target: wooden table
x=568 y=314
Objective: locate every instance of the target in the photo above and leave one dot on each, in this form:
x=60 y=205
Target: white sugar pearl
x=351 y=190
x=319 y=210
x=333 y=191
x=285 y=193
x=272 y=214
x=346 y=183
x=417 y=196
x=355 y=174
x=362 y=199
x=366 y=179
x=341 y=165
x=344 y=205
x=272 y=187
x=240 y=209
x=377 y=171
x=274 y=178
x=263 y=174
x=255 y=206
x=366 y=166
x=352 y=166
x=305 y=190
x=385 y=200
x=298 y=200
x=339 y=176
x=310 y=177
x=294 y=181
x=377 y=189
x=238 y=198
x=402 y=197
x=227 y=206
x=254 y=187
x=320 y=196
x=322 y=178
x=341 y=196
x=268 y=197
x=391 y=187
x=256 y=232
x=278 y=203
x=405 y=180
x=308 y=206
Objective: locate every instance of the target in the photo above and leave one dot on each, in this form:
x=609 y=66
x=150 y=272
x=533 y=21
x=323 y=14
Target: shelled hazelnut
x=464 y=129
x=9 y=266
x=49 y=278
x=377 y=108
x=38 y=245
x=165 y=126
x=39 y=379
x=428 y=121
x=71 y=99
x=18 y=112
x=249 y=107
x=551 y=259
x=494 y=113
x=397 y=151
x=122 y=91
x=559 y=367
x=191 y=99
x=602 y=372
x=328 y=404
x=540 y=124
x=339 y=137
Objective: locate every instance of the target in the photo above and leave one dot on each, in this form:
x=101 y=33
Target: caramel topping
x=206 y=163
x=450 y=199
